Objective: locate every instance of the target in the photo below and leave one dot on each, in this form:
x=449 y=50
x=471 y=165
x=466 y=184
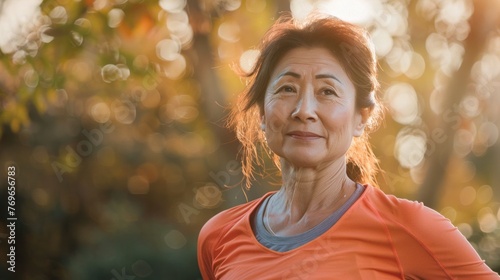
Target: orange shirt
x=379 y=237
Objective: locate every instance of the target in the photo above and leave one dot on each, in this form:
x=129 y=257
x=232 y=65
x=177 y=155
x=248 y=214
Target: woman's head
x=346 y=43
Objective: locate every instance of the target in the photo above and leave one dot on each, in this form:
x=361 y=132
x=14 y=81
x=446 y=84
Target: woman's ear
x=262 y=122
x=361 y=121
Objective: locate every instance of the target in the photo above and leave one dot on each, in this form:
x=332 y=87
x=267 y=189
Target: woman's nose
x=306 y=106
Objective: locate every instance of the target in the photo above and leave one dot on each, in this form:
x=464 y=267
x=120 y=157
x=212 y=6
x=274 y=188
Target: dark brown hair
x=353 y=49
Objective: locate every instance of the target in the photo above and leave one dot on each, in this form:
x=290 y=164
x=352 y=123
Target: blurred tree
x=482 y=23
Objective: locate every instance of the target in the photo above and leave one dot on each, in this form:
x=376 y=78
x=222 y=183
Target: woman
x=311 y=101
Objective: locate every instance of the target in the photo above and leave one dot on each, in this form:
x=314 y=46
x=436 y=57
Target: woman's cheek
x=275 y=121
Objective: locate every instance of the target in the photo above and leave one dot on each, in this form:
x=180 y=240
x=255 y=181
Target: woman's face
x=309 y=113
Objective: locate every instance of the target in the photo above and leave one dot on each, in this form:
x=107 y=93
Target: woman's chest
x=325 y=258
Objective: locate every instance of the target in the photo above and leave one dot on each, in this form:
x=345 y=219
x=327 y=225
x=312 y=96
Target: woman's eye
x=286 y=89
x=328 y=91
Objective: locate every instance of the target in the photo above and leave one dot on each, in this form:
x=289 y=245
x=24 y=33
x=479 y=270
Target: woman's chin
x=308 y=158
x=304 y=160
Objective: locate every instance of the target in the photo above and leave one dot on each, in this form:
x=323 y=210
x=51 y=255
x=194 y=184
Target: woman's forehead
x=308 y=61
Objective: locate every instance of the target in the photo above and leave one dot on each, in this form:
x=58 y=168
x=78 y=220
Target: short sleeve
x=205 y=249
x=429 y=246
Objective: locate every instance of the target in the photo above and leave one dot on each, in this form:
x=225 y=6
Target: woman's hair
x=351 y=46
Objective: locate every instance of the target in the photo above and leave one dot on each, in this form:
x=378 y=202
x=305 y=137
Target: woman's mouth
x=303 y=135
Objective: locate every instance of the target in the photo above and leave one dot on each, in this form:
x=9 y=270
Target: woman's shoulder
x=409 y=216
x=428 y=245
x=412 y=214
x=229 y=218
x=390 y=202
x=222 y=227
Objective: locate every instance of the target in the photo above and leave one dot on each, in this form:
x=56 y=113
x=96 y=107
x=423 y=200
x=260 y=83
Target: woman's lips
x=304 y=135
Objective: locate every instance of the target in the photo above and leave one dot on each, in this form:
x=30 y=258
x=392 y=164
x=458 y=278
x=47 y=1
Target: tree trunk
x=483 y=20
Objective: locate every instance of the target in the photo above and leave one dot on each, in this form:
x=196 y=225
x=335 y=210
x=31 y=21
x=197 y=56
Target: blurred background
x=113 y=113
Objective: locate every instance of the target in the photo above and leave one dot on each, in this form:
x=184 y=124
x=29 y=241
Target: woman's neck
x=308 y=195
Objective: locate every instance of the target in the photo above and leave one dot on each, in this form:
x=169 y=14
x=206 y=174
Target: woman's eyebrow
x=288 y=73
x=327 y=76
x=319 y=76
